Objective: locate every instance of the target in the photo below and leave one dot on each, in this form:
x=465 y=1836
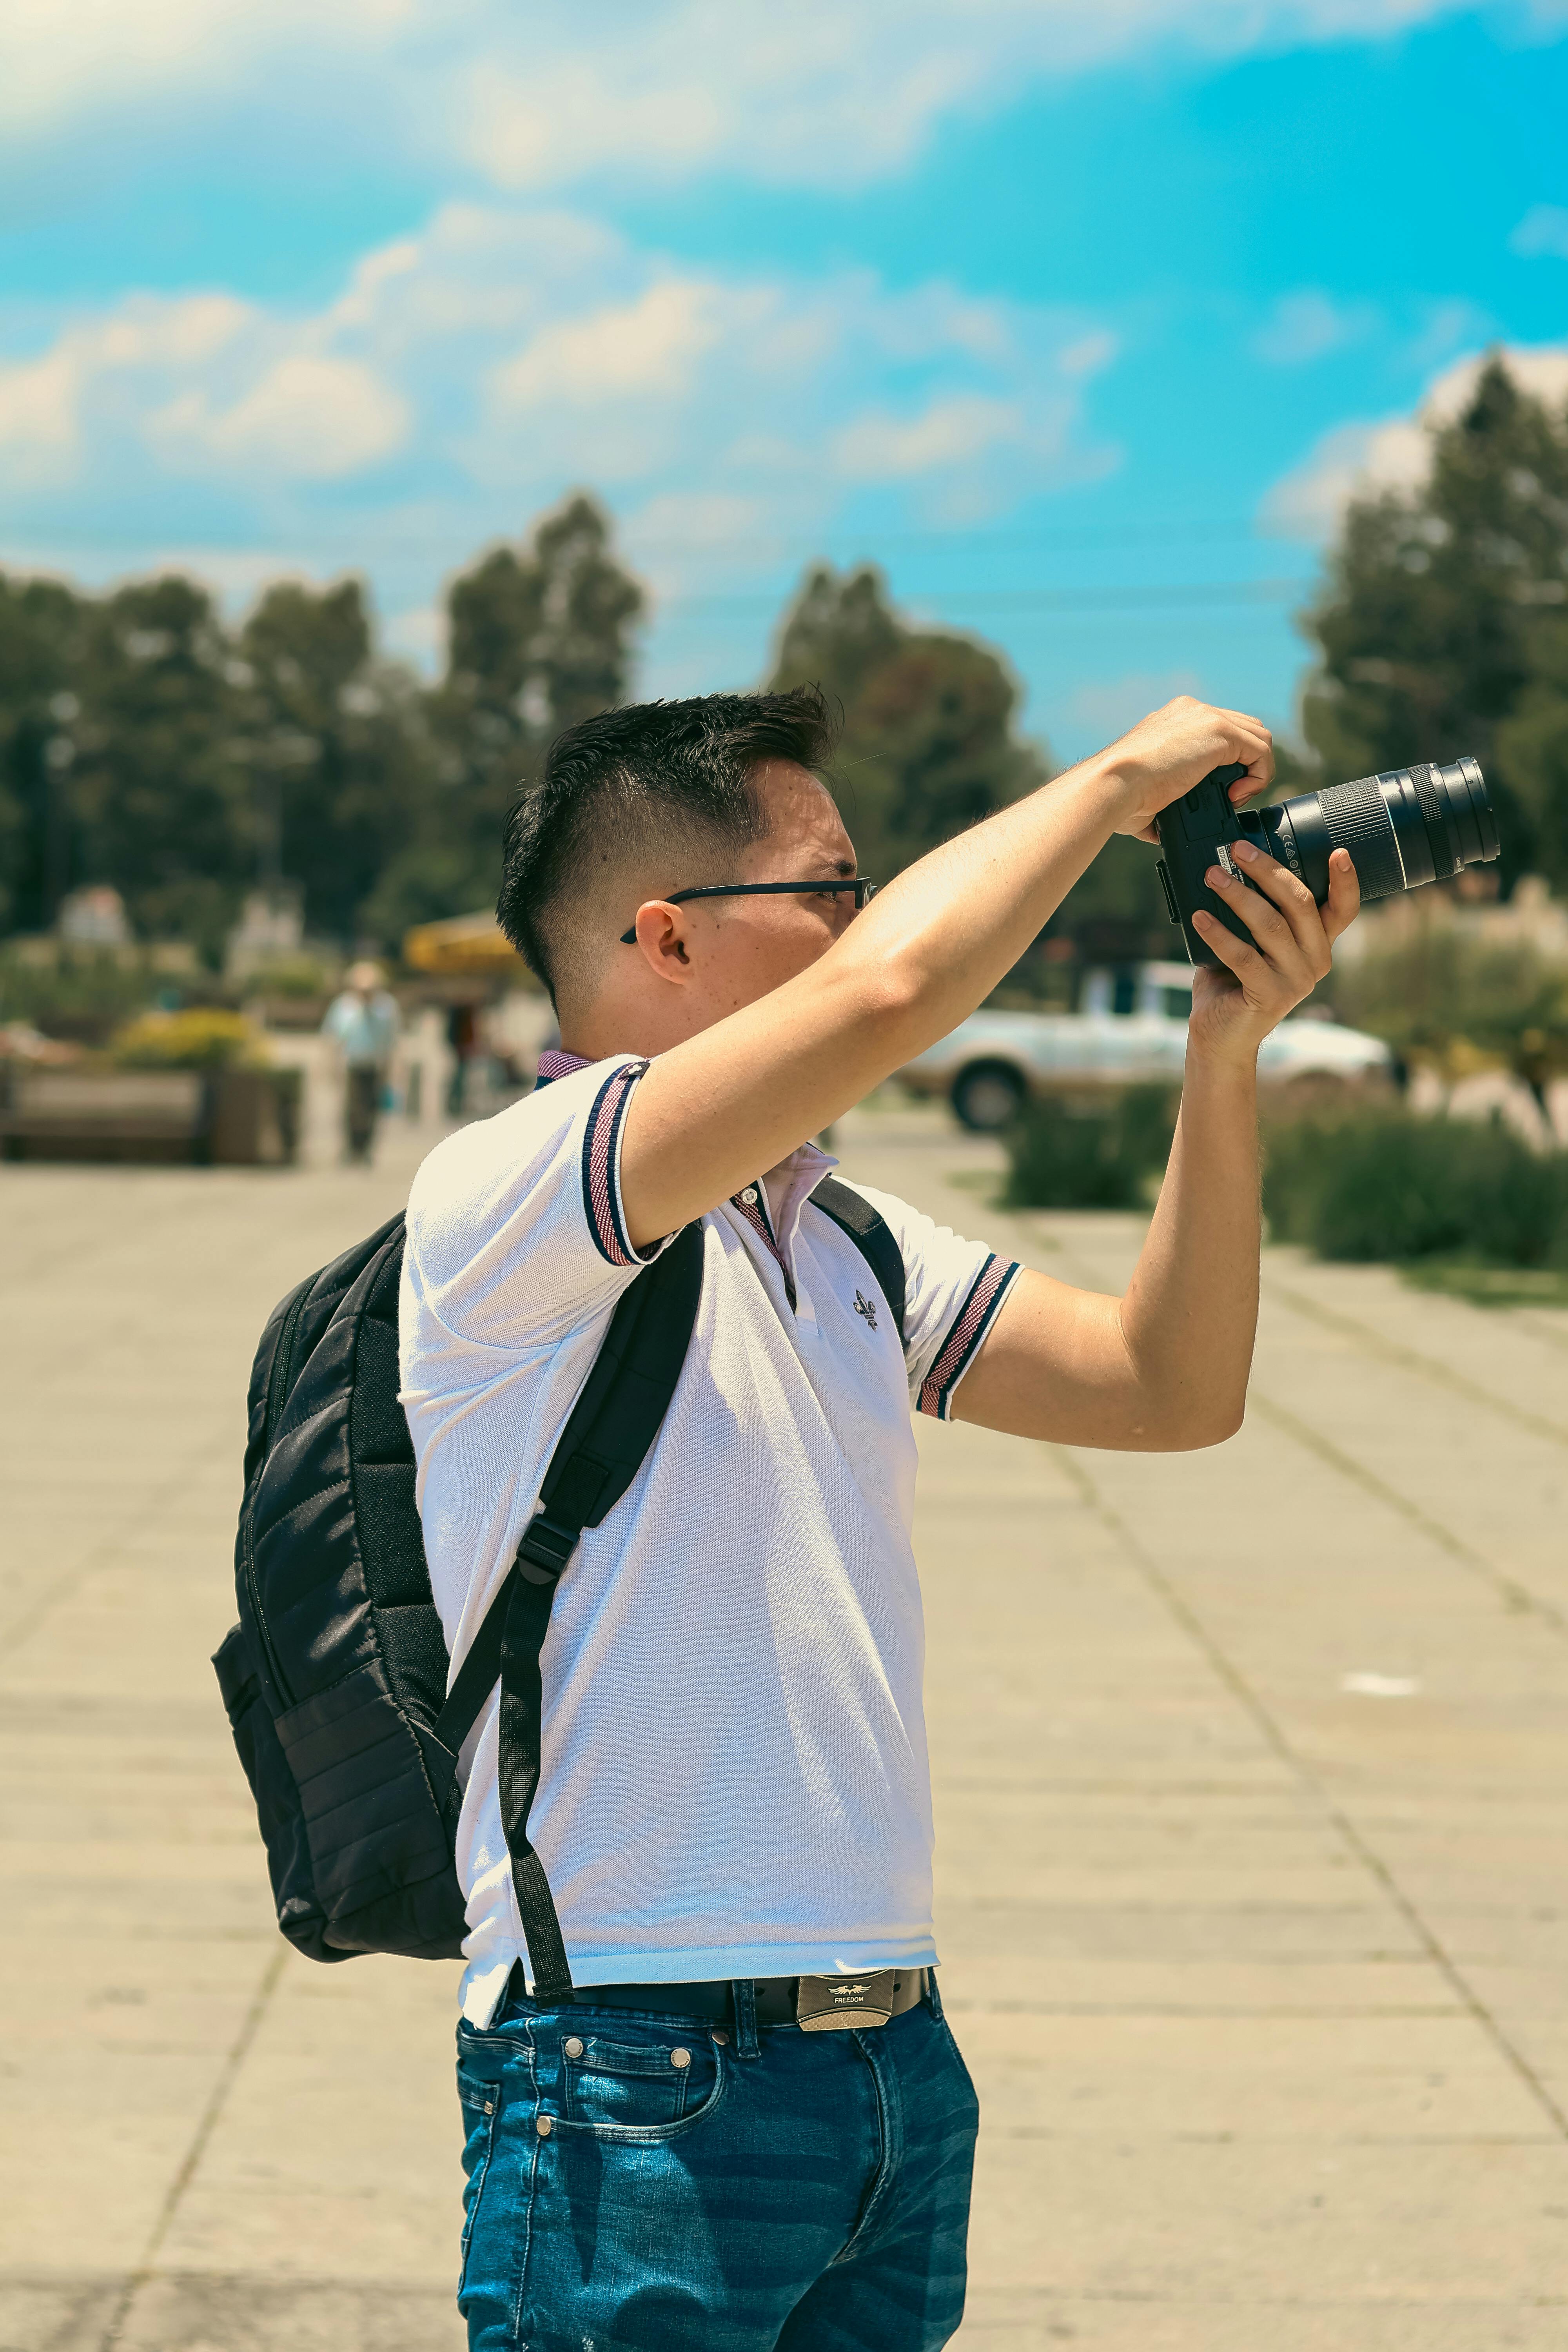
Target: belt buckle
x=837 y=2004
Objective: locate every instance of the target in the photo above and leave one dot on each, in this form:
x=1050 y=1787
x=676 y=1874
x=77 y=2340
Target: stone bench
x=204 y=1118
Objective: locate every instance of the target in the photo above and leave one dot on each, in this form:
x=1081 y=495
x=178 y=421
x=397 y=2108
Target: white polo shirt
x=734 y=1779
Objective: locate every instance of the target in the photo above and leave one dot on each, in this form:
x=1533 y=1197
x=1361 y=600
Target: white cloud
x=1306 y=326
x=644 y=349
x=419 y=635
x=38 y=421
x=832 y=93
x=878 y=447
x=1543 y=230
x=1107 y=707
x=1089 y=353
x=309 y=419
x=1393 y=452
x=829 y=94
x=504 y=353
x=51 y=403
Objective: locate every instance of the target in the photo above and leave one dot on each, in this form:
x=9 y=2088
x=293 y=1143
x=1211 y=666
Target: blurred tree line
x=146 y=743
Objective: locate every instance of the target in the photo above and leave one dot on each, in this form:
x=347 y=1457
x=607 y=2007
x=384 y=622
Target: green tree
x=1430 y=633
x=158 y=790
x=40 y=655
x=339 y=753
x=929 y=746
x=539 y=637
x=1532 y=745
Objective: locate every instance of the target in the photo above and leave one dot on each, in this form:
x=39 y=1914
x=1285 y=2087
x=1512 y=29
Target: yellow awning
x=466 y=945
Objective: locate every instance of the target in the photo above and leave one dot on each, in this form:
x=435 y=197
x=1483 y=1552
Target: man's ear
x=661 y=942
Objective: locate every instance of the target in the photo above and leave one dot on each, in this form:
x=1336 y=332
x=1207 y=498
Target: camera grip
x=1191 y=830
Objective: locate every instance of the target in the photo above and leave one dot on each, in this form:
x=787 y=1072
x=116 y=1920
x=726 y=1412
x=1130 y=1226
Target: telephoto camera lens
x=1406 y=826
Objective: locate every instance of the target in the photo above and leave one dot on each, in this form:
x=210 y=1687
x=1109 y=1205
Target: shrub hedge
x=1393 y=1186
x=1107 y=1155
x=206 y=1037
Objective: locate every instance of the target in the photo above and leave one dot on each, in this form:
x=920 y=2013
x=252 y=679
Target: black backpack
x=336 y=1676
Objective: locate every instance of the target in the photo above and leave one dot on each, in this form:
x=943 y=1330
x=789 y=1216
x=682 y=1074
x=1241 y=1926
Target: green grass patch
x=1489 y=1285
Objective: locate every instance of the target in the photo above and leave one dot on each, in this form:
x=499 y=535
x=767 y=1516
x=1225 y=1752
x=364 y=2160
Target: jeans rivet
x=680 y=2057
x=572 y=2046
x=545 y=2126
x=722 y=2040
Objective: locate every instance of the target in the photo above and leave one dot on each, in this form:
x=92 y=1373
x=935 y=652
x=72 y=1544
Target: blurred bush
x=1109 y=1154
x=83 y=997
x=205 y=1038
x=1457 y=1000
x=1391 y=1186
x=296 y=976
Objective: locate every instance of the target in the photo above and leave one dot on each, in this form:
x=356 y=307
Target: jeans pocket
x=482 y=2110
x=631 y=2089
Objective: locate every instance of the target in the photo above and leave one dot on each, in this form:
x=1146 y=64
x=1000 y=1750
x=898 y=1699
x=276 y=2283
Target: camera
x=1404 y=827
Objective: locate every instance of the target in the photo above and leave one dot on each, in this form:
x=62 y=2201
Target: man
x=734 y=1802
x=362 y=1022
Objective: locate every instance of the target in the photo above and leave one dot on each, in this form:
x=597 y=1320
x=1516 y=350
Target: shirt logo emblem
x=866 y=1307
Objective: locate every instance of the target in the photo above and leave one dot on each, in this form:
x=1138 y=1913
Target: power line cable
x=1123 y=597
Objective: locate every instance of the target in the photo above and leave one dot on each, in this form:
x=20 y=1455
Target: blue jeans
x=641 y=2184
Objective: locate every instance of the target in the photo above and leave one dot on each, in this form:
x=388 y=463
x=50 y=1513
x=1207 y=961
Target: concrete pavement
x=1251 y=1800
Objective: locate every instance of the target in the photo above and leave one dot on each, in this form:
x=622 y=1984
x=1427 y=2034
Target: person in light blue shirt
x=362 y=1022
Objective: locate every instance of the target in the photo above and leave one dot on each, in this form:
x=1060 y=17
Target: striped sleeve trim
x=958 y=1350
x=601 y=1170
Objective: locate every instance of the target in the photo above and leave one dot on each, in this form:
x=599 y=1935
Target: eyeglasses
x=858 y=883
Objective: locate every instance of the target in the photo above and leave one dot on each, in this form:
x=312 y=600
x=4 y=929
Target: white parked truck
x=1132 y=1028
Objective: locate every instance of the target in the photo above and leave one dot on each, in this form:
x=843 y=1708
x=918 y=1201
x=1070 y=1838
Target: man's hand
x=1175 y=748
x=1234 y=1010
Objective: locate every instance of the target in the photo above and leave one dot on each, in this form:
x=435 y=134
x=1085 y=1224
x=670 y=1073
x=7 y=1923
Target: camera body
x=1402 y=827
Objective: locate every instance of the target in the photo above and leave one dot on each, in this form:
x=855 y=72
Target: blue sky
x=1082 y=322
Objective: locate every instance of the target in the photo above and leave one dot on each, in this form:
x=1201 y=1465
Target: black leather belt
x=712 y=2003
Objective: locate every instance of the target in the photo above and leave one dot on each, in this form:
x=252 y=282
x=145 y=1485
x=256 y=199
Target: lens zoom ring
x=1355 y=817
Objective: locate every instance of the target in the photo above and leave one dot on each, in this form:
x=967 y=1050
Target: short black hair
x=631 y=781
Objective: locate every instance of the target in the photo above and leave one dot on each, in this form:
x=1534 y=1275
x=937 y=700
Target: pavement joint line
x=1231 y=1674
x=23 y=1627
x=43 y=1268
x=1411 y=1359
x=1251 y=2139
x=239 y=2051
x=1518 y=1598
x=1534 y=1323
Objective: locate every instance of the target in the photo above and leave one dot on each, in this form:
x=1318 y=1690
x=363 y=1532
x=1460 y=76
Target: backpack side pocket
x=278 y=1806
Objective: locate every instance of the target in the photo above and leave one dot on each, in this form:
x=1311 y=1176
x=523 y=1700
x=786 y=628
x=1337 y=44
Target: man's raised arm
x=720 y=1107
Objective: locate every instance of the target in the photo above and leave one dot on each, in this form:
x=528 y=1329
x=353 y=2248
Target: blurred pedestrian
x=363 y=1023
x=463 y=1037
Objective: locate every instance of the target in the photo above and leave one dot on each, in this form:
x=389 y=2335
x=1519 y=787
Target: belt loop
x=743 y=1993
x=932 y=1993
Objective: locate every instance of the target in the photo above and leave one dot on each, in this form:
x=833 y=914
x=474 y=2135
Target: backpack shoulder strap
x=602 y=1447
x=872 y=1236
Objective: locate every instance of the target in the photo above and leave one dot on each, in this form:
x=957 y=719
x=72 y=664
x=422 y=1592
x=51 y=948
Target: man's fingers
x=1255 y=745
x=1292 y=898
x=1233 y=953
x=1343 y=904
x=1261 y=915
